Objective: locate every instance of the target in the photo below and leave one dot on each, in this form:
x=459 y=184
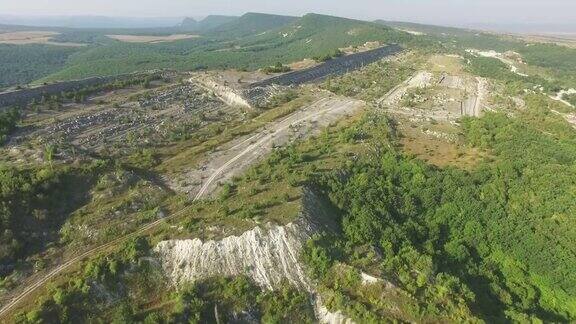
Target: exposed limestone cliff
x=225 y=93
x=269 y=254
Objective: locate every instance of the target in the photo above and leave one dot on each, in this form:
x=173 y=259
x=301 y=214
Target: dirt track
x=230 y=160
x=239 y=154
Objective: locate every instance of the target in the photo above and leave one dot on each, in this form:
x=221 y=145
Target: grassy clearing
x=446 y=64
x=443 y=151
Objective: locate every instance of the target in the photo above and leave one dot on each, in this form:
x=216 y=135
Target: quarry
x=277 y=169
x=124 y=121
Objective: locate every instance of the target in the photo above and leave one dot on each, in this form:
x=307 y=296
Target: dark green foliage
x=34 y=203
x=571 y=98
x=237 y=299
x=22 y=64
x=252 y=51
x=500 y=234
x=371 y=82
x=143 y=159
x=490 y=68
x=515 y=84
x=329 y=56
x=285 y=305
x=8 y=121
x=319 y=254
x=276 y=68
x=281 y=98
x=250 y=24
x=79 y=36
x=66 y=305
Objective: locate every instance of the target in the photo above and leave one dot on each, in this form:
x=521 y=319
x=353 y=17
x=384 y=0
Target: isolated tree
x=49 y=152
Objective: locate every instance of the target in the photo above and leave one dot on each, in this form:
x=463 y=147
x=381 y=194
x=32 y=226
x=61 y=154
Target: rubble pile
x=260 y=96
x=128 y=126
x=189 y=97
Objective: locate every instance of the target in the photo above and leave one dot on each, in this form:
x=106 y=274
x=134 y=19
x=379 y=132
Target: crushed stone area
x=236 y=156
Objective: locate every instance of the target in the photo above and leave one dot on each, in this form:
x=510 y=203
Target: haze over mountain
x=510 y=15
x=89 y=21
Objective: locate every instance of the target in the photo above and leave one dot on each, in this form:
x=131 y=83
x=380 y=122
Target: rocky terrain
x=268 y=254
x=236 y=156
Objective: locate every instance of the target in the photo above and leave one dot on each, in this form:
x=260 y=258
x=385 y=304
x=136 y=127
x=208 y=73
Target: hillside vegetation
x=22 y=64
x=250 y=42
x=250 y=24
x=497 y=237
x=558 y=62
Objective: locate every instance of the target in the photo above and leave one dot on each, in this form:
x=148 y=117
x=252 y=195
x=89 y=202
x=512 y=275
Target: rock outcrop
x=225 y=93
x=269 y=254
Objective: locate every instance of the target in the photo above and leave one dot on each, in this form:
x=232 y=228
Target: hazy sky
x=434 y=11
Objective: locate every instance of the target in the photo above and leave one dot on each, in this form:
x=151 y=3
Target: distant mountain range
x=90 y=21
x=528 y=28
x=212 y=22
x=207 y=23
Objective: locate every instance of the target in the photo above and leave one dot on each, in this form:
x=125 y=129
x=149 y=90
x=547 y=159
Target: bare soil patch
x=304 y=64
x=151 y=38
x=568 y=40
x=438 y=145
x=32 y=37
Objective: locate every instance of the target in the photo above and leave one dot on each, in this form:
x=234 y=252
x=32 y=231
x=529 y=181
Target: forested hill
x=250 y=42
x=206 y=24
x=250 y=24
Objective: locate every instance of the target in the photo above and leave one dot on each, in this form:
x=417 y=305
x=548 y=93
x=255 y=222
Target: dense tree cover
x=250 y=24
x=34 y=203
x=514 y=84
x=276 y=68
x=81 y=299
x=499 y=237
x=228 y=300
x=329 y=56
x=22 y=64
x=8 y=121
x=307 y=37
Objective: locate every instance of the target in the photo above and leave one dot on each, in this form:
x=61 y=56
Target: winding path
x=335 y=106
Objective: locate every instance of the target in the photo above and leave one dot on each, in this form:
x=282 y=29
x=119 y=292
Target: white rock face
x=268 y=256
x=327 y=317
x=226 y=94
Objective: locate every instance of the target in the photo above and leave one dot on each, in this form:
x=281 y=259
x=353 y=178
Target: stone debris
x=126 y=126
x=268 y=255
x=188 y=97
